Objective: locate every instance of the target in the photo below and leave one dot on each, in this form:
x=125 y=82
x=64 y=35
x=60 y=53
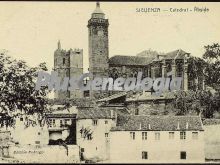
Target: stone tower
x=98 y=44
x=68 y=64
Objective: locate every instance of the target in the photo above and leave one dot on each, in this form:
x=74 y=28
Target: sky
x=30 y=30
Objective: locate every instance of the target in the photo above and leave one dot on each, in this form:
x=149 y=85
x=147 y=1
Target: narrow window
x=53 y=122
x=182 y=135
x=50 y=122
x=64 y=60
x=89 y=136
x=106 y=121
x=171 y=135
x=66 y=121
x=144 y=155
x=157 y=135
x=95 y=122
x=132 y=135
x=106 y=134
x=182 y=155
x=144 y=135
x=61 y=123
x=136 y=111
x=195 y=135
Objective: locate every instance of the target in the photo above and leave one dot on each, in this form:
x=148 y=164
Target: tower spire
x=59 y=45
x=98 y=13
x=98 y=4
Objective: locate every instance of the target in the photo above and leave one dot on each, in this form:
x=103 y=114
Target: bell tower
x=98 y=43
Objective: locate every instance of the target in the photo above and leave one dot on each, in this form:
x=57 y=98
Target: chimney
x=149 y=127
x=187 y=125
x=178 y=126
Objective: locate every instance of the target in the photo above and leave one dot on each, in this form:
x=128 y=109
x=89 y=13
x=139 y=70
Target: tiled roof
x=94 y=113
x=177 y=54
x=157 y=123
x=129 y=60
x=52 y=115
x=114 y=96
x=145 y=60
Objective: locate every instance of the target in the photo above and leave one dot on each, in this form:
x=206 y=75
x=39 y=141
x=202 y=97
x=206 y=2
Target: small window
x=86 y=93
x=61 y=122
x=171 y=135
x=50 y=123
x=89 y=136
x=106 y=121
x=95 y=122
x=38 y=133
x=37 y=142
x=195 y=135
x=144 y=155
x=182 y=155
x=106 y=134
x=64 y=60
x=136 y=111
x=157 y=135
x=144 y=135
x=54 y=122
x=21 y=119
x=182 y=135
x=132 y=135
x=82 y=150
x=66 y=121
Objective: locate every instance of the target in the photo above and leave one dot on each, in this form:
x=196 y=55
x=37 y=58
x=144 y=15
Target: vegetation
x=204 y=103
x=212 y=69
x=17 y=87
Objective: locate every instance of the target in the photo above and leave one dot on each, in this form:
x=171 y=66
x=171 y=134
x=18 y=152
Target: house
x=29 y=125
x=62 y=125
x=93 y=128
x=157 y=139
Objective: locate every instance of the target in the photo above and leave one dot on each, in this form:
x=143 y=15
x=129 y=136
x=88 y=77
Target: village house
x=157 y=139
x=62 y=125
x=93 y=128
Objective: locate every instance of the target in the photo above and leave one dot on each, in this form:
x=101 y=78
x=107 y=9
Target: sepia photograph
x=109 y=82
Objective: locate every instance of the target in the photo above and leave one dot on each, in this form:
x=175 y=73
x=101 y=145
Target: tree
x=212 y=69
x=17 y=87
x=200 y=102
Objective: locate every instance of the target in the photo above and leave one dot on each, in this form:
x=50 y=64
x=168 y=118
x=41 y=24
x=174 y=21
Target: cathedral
x=150 y=63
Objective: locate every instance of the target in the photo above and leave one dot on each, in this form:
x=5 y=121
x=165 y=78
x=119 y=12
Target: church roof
x=158 y=123
x=129 y=60
x=177 y=54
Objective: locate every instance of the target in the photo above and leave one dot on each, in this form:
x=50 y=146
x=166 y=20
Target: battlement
x=75 y=51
